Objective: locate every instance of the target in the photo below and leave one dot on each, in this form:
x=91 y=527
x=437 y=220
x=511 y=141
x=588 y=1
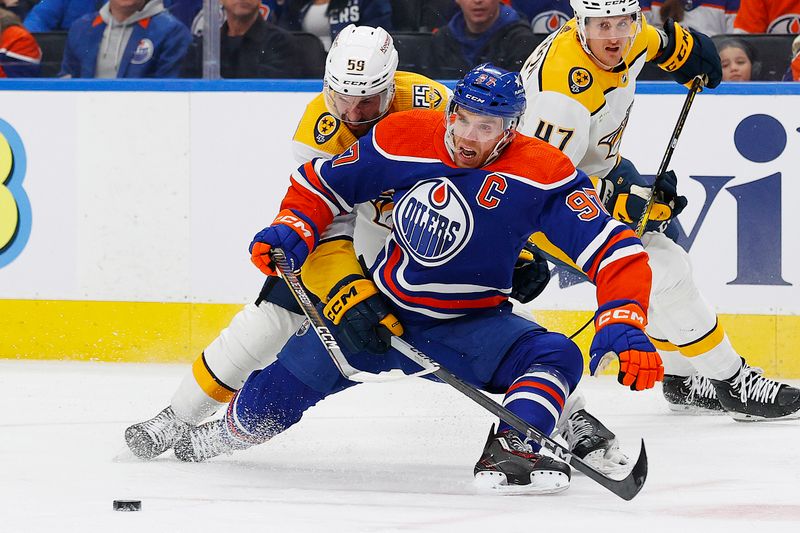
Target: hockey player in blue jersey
x=458 y=184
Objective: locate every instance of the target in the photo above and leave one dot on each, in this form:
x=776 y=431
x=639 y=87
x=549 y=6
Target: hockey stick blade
x=625 y=488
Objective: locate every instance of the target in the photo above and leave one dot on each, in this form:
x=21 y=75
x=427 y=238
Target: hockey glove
x=289 y=232
x=668 y=204
x=689 y=53
x=531 y=274
x=363 y=319
x=620 y=333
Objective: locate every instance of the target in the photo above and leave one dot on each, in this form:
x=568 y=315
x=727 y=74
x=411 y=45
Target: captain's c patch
x=580 y=79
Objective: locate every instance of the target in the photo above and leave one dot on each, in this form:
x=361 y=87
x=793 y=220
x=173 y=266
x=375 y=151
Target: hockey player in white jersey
x=580 y=85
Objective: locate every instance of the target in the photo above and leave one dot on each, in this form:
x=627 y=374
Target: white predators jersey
x=577 y=106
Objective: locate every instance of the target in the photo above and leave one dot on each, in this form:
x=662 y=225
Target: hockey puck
x=127 y=505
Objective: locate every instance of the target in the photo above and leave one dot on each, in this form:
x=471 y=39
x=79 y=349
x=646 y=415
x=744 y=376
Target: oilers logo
x=788 y=23
x=143 y=53
x=433 y=222
x=548 y=21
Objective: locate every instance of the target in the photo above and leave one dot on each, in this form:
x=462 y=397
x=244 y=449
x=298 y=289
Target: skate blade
x=496 y=483
x=693 y=410
x=742 y=417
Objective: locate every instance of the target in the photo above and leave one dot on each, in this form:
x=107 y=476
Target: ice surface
x=377 y=457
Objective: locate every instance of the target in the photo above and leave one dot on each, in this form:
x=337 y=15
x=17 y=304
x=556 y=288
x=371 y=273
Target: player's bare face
x=474 y=137
x=610 y=38
x=359 y=113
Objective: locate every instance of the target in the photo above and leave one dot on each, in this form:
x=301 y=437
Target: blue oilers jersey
x=457 y=232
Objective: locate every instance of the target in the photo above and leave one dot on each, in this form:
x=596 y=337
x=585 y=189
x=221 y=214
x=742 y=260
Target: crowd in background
x=289 y=38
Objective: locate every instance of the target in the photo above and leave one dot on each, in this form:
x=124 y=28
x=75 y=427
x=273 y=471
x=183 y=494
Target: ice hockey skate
x=153 y=437
x=206 y=441
x=589 y=439
x=694 y=394
x=749 y=397
x=509 y=466
x=594 y=443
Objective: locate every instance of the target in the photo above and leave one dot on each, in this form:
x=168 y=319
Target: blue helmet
x=490 y=90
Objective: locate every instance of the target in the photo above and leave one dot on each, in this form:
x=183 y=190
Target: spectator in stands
x=483 y=31
x=19 y=54
x=250 y=47
x=58 y=15
x=126 y=39
x=712 y=17
x=267 y=9
x=738 y=60
x=326 y=18
x=768 y=16
x=19 y=7
x=545 y=16
x=793 y=72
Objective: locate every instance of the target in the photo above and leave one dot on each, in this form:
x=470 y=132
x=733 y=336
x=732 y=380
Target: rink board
x=127 y=209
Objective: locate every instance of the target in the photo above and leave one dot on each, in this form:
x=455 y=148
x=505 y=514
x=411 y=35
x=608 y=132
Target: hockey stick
x=697 y=86
x=324 y=334
x=625 y=488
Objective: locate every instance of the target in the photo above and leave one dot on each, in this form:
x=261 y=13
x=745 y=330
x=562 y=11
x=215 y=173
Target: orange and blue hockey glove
x=290 y=232
x=620 y=333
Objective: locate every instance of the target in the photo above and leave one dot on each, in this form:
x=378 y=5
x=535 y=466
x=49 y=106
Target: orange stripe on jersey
x=534 y=159
x=308 y=203
x=591 y=272
x=390 y=134
x=144 y=23
x=628 y=278
x=97 y=21
x=478 y=303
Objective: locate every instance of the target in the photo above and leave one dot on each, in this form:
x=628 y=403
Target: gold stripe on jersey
x=323 y=132
x=211 y=385
x=569 y=70
x=704 y=344
x=663 y=345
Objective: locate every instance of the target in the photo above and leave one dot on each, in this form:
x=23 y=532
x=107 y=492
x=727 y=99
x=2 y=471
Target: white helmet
x=361 y=63
x=606 y=8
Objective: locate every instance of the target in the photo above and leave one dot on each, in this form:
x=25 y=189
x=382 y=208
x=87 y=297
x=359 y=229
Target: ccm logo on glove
x=297 y=223
x=629 y=314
